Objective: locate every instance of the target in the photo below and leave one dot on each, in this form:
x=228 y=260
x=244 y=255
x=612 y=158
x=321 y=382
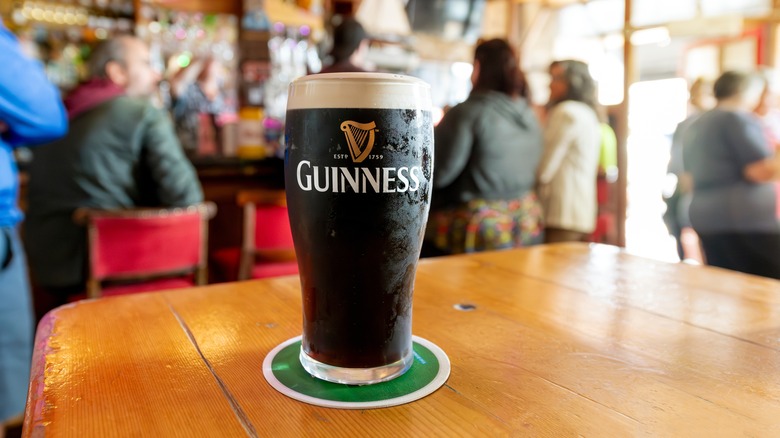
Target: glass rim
x=359 y=90
x=362 y=77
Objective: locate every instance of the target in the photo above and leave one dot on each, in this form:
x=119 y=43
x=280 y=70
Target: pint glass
x=358 y=173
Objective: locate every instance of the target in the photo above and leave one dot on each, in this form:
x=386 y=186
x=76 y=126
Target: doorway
x=655 y=109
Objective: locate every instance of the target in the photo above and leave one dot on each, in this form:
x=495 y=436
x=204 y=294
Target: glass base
x=356 y=376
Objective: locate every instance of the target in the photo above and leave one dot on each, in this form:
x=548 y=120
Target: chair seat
x=225 y=262
x=275 y=269
x=150 y=286
x=162 y=284
x=604 y=223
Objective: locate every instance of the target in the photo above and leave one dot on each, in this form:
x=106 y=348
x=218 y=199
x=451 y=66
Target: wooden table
x=565 y=340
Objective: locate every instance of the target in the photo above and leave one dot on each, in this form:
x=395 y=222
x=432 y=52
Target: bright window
x=650 y=12
x=750 y=8
x=595 y=18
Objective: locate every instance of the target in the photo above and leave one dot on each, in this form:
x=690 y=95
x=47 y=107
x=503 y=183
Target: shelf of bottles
x=94 y=14
x=189 y=33
x=179 y=40
x=273 y=54
x=61 y=33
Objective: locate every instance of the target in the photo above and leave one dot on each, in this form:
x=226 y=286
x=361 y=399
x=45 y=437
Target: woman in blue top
x=30 y=112
x=733 y=207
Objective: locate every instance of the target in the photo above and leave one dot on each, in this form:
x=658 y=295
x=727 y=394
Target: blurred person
x=350 y=48
x=486 y=153
x=121 y=152
x=196 y=100
x=606 y=175
x=522 y=87
x=608 y=163
x=524 y=91
x=30 y=113
x=569 y=165
x=677 y=196
x=769 y=115
x=727 y=154
x=768 y=112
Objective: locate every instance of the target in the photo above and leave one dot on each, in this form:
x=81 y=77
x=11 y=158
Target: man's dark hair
x=347 y=37
x=733 y=82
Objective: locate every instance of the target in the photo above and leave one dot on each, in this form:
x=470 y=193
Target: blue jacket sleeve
x=30 y=106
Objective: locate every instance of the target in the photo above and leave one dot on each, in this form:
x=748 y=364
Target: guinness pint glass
x=358 y=172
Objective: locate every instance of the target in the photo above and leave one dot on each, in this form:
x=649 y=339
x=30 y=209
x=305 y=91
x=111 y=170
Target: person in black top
x=349 y=48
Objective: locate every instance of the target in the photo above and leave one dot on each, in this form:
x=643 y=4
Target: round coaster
x=283 y=370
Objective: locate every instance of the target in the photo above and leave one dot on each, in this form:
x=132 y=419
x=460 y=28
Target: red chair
x=267 y=248
x=146 y=249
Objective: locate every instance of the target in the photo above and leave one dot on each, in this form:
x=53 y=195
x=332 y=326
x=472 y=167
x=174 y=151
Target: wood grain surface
x=564 y=340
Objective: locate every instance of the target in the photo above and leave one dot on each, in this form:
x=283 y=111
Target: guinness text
x=358 y=179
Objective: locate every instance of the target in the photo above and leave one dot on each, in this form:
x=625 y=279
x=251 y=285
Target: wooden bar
x=564 y=340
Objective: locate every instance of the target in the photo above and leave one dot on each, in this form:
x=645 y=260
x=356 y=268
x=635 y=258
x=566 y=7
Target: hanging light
x=653 y=35
x=384 y=17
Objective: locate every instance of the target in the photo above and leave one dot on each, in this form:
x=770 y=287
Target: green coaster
x=429 y=371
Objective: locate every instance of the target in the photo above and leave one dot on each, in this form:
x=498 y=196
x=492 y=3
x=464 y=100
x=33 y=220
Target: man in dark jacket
x=121 y=152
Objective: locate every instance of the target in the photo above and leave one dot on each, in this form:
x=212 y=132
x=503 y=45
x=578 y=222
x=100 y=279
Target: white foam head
x=359 y=90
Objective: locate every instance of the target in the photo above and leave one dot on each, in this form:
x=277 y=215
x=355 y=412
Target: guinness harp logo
x=360 y=137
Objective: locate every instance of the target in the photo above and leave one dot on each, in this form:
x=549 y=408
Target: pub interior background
x=643 y=53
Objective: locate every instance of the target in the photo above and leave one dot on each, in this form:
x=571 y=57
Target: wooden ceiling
x=277 y=10
x=205 y=6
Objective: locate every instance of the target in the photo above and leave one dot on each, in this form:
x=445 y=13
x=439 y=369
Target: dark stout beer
x=358 y=177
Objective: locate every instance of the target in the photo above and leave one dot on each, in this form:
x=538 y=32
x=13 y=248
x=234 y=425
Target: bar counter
x=562 y=340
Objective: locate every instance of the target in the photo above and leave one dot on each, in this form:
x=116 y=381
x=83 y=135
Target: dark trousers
x=672 y=221
x=557 y=235
x=752 y=253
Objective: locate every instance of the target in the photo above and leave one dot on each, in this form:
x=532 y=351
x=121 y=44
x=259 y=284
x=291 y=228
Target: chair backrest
x=146 y=243
x=602 y=190
x=267 y=235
